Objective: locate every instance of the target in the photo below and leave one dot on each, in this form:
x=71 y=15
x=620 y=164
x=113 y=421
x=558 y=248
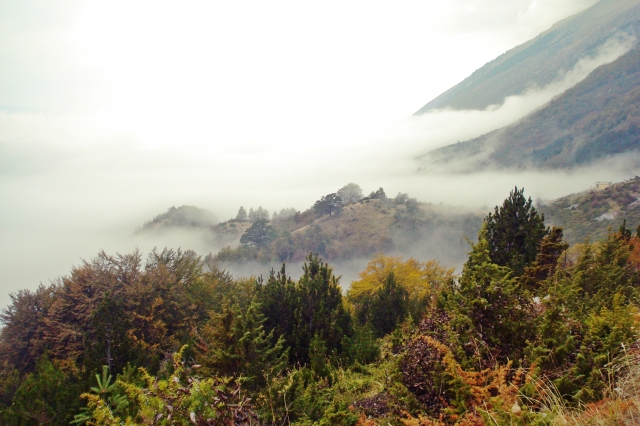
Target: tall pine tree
x=514 y=232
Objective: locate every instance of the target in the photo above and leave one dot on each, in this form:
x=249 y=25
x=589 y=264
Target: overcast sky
x=111 y=112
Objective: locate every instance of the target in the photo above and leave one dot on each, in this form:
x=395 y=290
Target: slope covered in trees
x=596 y=119
x=169 y=341
x=341 y=226
x=542 y=60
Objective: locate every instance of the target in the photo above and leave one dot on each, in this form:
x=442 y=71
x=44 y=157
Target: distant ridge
x=597 y=118
x=541 y=60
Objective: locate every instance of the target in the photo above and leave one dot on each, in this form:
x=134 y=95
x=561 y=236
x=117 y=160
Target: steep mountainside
x=598 y=117
x=590 y=214
x=540 y=61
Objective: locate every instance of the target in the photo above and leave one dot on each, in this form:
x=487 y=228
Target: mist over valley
x=245 y=213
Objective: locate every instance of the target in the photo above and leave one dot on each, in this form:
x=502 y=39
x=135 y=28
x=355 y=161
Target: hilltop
x=360 y=228
x=401 y=225
x=183 y=216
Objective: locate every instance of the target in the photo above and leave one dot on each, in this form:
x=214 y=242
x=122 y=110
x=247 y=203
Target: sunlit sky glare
x=111 y=112
x=214 y=72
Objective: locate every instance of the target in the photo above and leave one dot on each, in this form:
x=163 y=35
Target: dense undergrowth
x=532 y=331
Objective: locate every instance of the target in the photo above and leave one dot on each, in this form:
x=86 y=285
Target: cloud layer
x=108 y=118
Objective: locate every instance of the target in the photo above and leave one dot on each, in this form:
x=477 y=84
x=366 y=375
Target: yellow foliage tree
x=420 y=279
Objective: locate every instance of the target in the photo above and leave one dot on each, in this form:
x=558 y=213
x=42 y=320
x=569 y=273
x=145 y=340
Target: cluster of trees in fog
x=292 y=234
x=173 y=339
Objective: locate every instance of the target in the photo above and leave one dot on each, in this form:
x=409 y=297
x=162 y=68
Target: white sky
x=110 y=112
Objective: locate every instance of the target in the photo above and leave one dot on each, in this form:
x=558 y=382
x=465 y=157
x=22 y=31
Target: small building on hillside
x=602 y=185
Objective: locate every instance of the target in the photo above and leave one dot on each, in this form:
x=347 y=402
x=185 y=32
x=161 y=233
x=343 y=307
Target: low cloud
x=420 y=134
x=74 y=183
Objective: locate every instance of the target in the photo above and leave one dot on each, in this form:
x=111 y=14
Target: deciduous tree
x=350 y=193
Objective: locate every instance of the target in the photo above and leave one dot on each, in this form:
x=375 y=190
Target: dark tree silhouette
x=259 y=234
x=514 y=232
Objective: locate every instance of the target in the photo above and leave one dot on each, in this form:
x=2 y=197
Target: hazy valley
x=487 y=271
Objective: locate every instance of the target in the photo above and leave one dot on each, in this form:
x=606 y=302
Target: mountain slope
x=542 y=60
x=590 y=214
x=598 y=117
x=399 y=225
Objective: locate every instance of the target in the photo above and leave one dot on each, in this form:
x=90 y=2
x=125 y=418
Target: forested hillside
x=527 y=333
x=596 y=119
x=344 y=225
x=543 y=59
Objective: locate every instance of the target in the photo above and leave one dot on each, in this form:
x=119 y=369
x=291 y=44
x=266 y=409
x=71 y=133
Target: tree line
x=173 y=339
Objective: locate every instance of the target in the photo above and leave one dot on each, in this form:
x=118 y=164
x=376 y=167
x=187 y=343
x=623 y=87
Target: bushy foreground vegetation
x=532 y=331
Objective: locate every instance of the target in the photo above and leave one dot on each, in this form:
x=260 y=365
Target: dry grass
x=621 y=407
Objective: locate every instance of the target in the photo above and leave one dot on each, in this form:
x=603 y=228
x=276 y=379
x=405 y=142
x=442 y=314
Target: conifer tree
x=318 y=357
x=319 y=310
x=489 y=313
x=379 y=195
x=328 y=205
x=514 y=232
x=386 y=308
x=235 y=343
x=242 y=215
x=47 y=396
x=624 y=232
x=277 y=299
x=259 y=234
x=551 y=248
x=389 y=306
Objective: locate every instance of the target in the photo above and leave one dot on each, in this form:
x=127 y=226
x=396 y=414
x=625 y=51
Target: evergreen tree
x=514 y=232
x=277 y=299
x=389 y=307
x=259 y=234
x=551 y=248
x=242 y=215
x=318 y=357
x=490 y=315
x=601 y=273
x=624 y=232
x=329 y=204
x=259 y=214
x=47 y=396
x=378 y=195
x=319 y=308
x=235 y=343
x=386 y=308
